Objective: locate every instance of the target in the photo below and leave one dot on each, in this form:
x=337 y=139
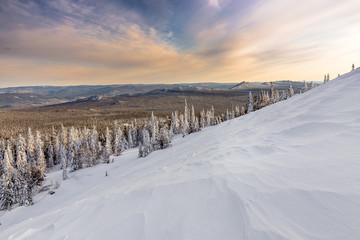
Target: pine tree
x=192 y=120
x=242 y=111
x=164 y=138
x=353 y=67
x=25 y=195
x=312 y=85
x=7 y=195
x=117 y=139
x=40 y=162
x=94 y=146
x=107 y=149
x=145 y=147
x=57 y=150
x=64 y=162
x=305 y=87
x=30 y=147
x=272 y=93
x=155 y=138
x=50 y=154
x=291 y=91
x=186 y=127
x=250 y=104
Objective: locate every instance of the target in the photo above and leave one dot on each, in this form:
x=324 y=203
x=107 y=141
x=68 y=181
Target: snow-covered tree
x=164 y=138
x=155 y=134
x=250 y=103
x=272 y=93
x=107 y=148
x=50 y=156
x=40 y=161
x=291 y=91
x=71 y=150
x=30 y=147
x=64 y=162
x=145 y=146
x=305 y=87
x=186 y=124
x=7 y=194
x=117 y=146
x=23 y=170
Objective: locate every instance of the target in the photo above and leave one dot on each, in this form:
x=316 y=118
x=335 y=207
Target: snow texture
x=288 y=171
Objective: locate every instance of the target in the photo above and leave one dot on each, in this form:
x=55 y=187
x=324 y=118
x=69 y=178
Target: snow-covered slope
x=288 y=171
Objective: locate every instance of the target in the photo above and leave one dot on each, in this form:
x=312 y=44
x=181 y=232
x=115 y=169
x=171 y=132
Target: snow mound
x=288 y=171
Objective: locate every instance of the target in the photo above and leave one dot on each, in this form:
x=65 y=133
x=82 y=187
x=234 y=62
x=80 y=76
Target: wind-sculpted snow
x=288 y=171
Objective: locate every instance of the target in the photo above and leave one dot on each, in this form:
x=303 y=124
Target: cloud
x=83 y=42
x=214 y=3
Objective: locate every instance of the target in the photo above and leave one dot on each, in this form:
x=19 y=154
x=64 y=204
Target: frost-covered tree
x=312 y=85
x=291 y=91
x=40 y=161
x=145 y=146
x=250 y=103
x=23 y=170
x=64 y=162
x=117 y=146
x=57 y=159
x=272 y=93
x=186 y=124
x=95 y=146
x=107 y=148
x=30 y=147
x=305 y=87
x=155 y=134
x=164 y=138
x=130 y=139
x=50 y=156
x=175 y=123
x=242 y=111
x=7 y=194
x=71 y=150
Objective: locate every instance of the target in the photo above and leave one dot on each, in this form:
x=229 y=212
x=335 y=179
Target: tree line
x=24 y=161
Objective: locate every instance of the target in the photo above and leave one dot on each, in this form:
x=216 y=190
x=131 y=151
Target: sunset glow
x=161 y=41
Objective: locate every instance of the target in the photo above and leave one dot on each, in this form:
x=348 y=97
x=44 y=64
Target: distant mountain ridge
x=21 y=97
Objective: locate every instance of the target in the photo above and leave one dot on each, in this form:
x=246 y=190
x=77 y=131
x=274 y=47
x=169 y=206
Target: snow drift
x=288 y=171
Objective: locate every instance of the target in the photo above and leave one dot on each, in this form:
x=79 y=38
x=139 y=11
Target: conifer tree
x=71 y=150
x=272 y=93
x=145 y=147
x=242 y=111
x=7 y=195
x=25 y=192
x=64 y=162
x=305 y=86
x=291 y=91
x=39 y=157
x=250 y=104
x=30 y=147
x=117 y=148
x=107 y=149
x=57 y=159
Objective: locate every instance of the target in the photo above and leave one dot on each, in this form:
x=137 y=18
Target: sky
x=175 y=41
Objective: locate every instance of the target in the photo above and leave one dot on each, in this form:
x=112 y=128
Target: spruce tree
x=40 y=162
x=7 y=195
x=64 y=162
x=250 y=104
